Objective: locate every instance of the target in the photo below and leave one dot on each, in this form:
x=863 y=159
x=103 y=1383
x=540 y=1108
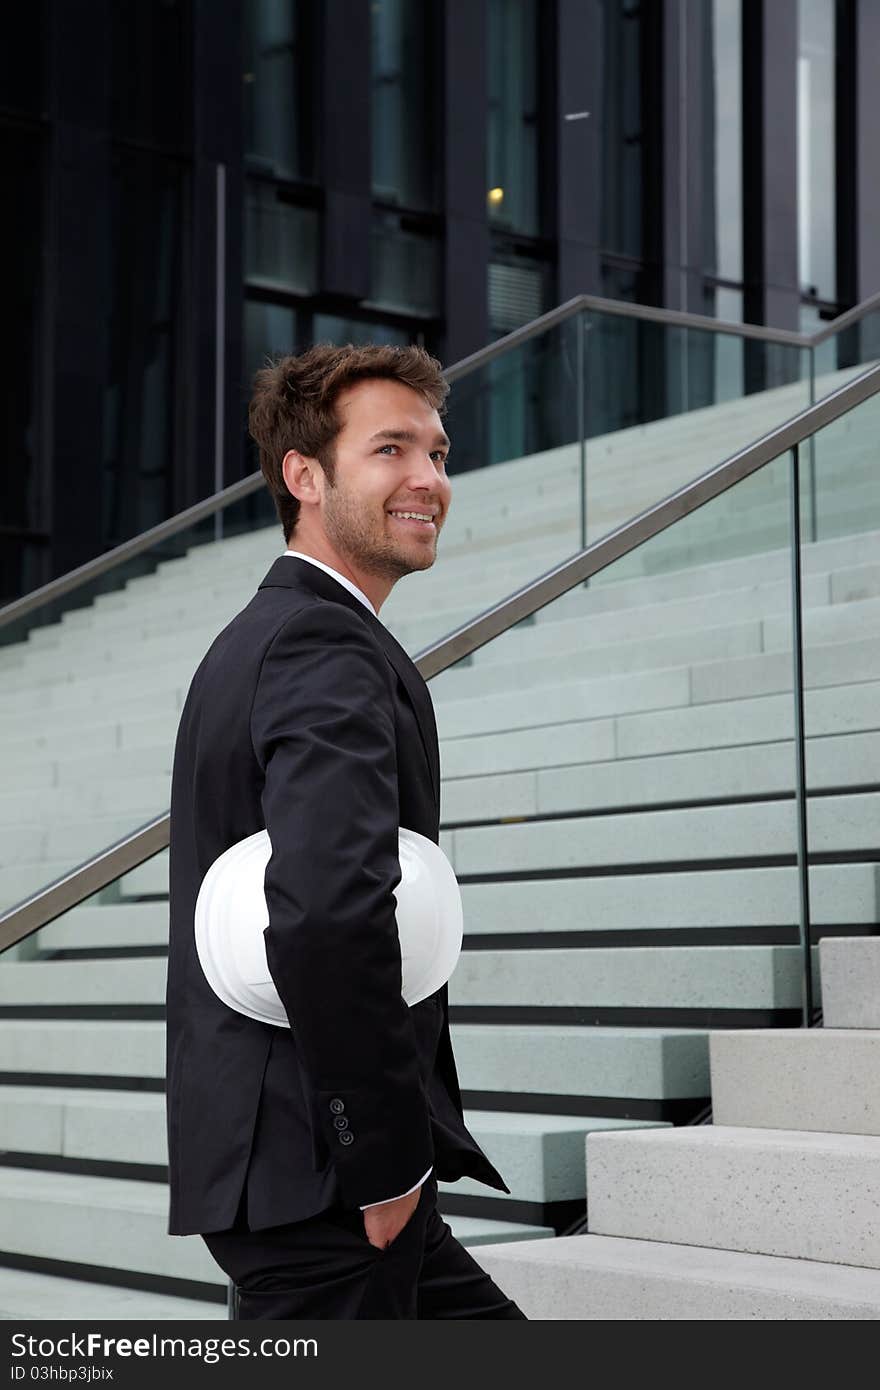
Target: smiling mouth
x=420 y=520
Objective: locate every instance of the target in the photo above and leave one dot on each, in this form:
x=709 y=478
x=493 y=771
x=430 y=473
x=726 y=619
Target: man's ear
x=300 y=475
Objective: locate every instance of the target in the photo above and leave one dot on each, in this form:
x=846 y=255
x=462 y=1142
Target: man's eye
x=386 y=446
x=439 y=457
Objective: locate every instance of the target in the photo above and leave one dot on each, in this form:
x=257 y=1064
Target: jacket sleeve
x=322 y=726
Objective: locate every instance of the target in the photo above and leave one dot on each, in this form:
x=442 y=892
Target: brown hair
x=294 y=399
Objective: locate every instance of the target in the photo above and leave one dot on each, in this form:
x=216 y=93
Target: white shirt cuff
x=400 y=1194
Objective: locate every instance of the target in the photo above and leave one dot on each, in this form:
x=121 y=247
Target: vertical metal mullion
x=220 y=341
x=582 y=425
x=814 y=503
x=800 y=749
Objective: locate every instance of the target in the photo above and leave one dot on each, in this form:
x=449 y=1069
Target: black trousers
x=326 y=1268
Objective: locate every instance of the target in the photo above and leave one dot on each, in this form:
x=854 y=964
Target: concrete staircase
x=773 y=1211
x=615 y=776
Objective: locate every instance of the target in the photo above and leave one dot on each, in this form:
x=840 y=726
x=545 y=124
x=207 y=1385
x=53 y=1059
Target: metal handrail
x=245 y=487
x=81 y=883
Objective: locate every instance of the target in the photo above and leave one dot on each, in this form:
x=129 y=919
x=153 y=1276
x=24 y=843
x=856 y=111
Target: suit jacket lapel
x=292 y=573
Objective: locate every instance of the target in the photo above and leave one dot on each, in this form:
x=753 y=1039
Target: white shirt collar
x=334 y=574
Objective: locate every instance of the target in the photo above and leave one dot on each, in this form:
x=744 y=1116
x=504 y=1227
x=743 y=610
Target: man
x=308 y=1157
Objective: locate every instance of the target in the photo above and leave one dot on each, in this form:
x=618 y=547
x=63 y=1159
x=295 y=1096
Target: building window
x=723 y=142
x=405 y=81
x=141 y=395
x=23 y=57
x=151 y=72
x=512 y=152
x=622 y=139
x=281 y=240
x=405 y=274
x=23 y=495
x=817 y=241
x=279 y=87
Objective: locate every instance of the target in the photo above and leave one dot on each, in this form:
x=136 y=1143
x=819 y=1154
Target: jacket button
x=346 y=1137
x=340 y=1122
x=337 y=1106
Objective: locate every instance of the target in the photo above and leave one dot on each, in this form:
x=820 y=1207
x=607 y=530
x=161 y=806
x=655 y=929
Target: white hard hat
x=231 y=916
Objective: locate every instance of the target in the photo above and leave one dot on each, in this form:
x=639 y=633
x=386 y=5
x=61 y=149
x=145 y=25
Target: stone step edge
x=688 y=1264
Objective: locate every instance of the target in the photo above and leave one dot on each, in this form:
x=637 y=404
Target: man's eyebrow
x=407 y=437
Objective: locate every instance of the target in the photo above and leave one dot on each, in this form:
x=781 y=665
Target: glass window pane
x=144 y=377
x=405 y=267
x=23 y=57
x=279 y=77
x=518 y=292
x=328 y=328
x=281 y=241
x=405 y=167
x=151 y=71
x=722 y=142
x=513 y=116
x=621 y=140
x=270 y=331
x=22 y=507
x=817 y=245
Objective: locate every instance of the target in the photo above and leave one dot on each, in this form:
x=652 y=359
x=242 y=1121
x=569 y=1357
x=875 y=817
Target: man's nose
x=424 y=474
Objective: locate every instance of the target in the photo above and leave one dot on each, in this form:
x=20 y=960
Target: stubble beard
x=357 y=536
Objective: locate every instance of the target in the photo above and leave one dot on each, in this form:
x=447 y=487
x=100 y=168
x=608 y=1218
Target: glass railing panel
x=84 y=1177
x=618 y=803
x=91 y=692
x=248 y=524
x=665 y=404
x=841 y=654
x=515 y=463
x=573 y=432
x=846 y=353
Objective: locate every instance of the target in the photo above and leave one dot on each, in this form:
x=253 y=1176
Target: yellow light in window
x=495 y=197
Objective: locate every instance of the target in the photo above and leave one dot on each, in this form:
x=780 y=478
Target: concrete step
x=635 y=977
x=751 y=770
x=82 y=982
x=600 y=1278
x=844 y=893
x=548 y=743
x=845 y=579
x=111 y=1126
x=121 y=1224
x=94 y=797
x=556 y=1059
x=115 y=1223
x=29 y=1297
x=853 y=999
x=541 y=1156
x=175 y=636
x=674 y=977
x=73 y=841
x=840 y=824
x=108 y=927
x=82 y=1048
x=768 y=1191
x=840 y=893
x=825 y=1079
x=759 y=719
x=657 y=1063
x=640 y=903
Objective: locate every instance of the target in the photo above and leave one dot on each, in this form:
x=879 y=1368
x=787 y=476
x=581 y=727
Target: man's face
x=390 y=459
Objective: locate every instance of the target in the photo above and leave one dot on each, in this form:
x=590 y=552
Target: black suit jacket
x=306 y=717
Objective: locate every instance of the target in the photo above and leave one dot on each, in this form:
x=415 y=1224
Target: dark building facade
x=195 y=184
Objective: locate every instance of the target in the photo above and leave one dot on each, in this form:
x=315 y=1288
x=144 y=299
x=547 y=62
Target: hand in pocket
x=383 y=1223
